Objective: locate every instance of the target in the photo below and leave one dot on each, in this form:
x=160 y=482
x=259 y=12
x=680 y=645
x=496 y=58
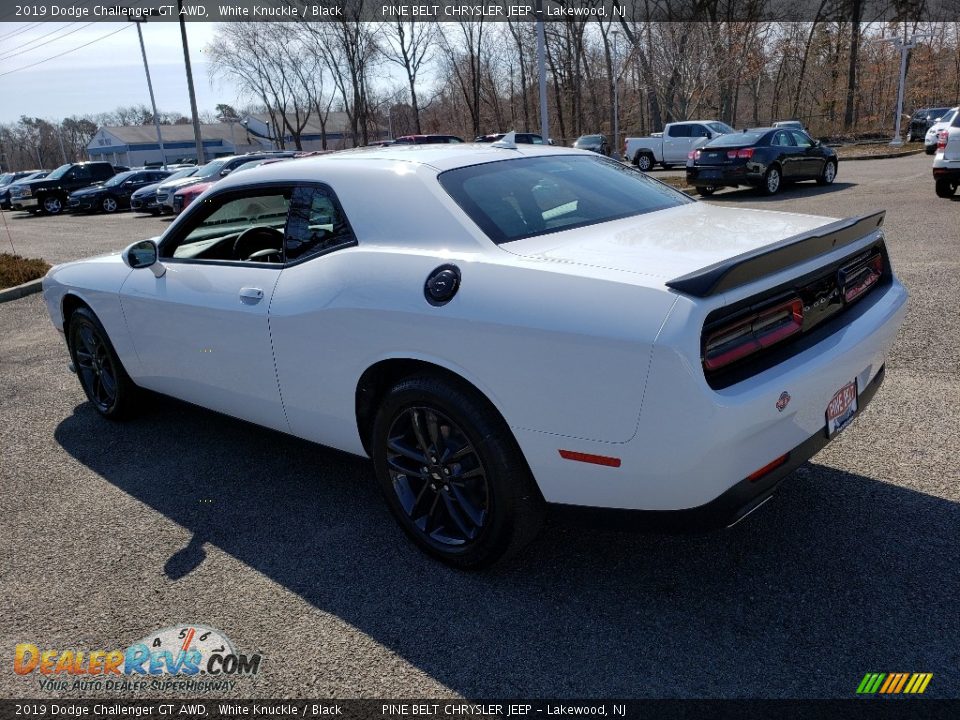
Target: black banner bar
x=626 y=11
x=901 y=708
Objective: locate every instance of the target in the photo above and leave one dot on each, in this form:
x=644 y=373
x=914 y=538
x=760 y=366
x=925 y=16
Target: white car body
x=673 y=145
x=946 y=163
x=573 y=336
x=930 y=139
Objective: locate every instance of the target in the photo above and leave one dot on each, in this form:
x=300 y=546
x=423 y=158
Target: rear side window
x=317 y=224
x=515 y=199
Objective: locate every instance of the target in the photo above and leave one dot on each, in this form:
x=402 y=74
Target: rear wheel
x=772 y=181
x=945 y=188
x=930 y=149
x=828 y=175
x=104 y=381
x=452 y=474
x=706 y=190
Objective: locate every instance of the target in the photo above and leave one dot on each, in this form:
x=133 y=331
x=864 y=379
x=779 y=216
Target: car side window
x=238 y=227
x=699 y=131
x=679 y=131
x=801 y=139
x=783 y=139
x=317 y=224
x=79 y=173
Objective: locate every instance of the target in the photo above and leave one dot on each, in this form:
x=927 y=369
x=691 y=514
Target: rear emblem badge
x=783 y=401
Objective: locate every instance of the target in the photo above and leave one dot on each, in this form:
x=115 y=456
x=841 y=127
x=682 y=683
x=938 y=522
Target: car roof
x=440 y=157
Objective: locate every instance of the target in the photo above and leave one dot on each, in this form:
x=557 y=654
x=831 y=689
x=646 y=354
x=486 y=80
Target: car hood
x=147 y=189
x=177 y=184
x=663 y=245
x=91 y=190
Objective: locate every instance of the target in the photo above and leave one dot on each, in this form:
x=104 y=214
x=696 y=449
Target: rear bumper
x=947 y=173
x=733 y=175
x=725 y=510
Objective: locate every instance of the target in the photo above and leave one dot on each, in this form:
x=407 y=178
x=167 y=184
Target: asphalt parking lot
x=115 y=530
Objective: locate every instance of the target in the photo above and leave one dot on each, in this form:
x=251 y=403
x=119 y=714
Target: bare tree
x=410 y=45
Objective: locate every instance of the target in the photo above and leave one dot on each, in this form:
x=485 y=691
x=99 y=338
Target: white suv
x=930 y=139
x=946 y=164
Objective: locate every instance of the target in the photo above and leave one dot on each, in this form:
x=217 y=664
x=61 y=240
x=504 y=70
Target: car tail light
x=745 y=336
x=942 y=139
x=693 y=155
x=742 y=153
x=861 y=275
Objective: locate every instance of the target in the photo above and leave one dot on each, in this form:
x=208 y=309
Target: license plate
x=842 y=408
x=709 y=174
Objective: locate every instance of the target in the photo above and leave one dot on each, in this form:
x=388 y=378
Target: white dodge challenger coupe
x=502 y=329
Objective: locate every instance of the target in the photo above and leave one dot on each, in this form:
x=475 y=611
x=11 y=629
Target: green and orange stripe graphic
x=894 y=683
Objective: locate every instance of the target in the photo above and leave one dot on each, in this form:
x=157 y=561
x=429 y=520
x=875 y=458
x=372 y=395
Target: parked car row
x=922 y=120
x=946 y=164
x=103 y=187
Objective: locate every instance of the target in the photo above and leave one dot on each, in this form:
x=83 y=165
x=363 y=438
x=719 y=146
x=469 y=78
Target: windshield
x=118 y=179
x=6 y=178
x=720 y=127
x=212 y=168
x=736 y=139
x=59 y=172
x=186 y=172
x=590 y=139
x=516 y=199
x=948 y=118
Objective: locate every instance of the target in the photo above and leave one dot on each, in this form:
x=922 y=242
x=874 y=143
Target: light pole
x=905 y=46
x=616 y=95
x=153 y=103
x=193 y=97
x=542 y=72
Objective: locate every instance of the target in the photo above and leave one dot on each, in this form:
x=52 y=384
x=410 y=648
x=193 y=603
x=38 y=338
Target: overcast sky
x=103 y=75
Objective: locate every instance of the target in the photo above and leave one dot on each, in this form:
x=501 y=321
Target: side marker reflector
x=770 y=467
x=588 y=458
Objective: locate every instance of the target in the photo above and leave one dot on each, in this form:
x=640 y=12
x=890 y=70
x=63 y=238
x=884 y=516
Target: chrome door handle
x=251 y=293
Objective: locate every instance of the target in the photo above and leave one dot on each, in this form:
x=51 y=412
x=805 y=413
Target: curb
x=885 y=156
x=19 y=291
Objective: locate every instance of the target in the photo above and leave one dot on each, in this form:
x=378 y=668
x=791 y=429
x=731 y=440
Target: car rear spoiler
x=750 y=266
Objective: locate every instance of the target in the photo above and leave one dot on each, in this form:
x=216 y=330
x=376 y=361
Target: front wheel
x=104 y=381
x=945 y=188
x=452 y=473
x=109 y=204
x=828 y=175
x=771 y=181
x=644 y=162
x=52 y=205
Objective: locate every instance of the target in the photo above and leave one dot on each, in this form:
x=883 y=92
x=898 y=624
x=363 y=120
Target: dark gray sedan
x=596 y=143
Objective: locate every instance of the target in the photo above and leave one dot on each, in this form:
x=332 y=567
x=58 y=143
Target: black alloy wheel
x=102 y=377
x=452 y=473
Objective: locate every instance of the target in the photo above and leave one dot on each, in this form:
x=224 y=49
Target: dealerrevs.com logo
x=192 y=658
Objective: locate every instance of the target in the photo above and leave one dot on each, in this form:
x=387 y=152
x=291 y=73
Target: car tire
x=51 y=205
x=102 y=376
x=643 y=161
x=109 y=204
x=666 y=166
x=772 y=181
x=930 y=149
x=452 y=474
x=945 y=188
x=706 y=190
x=829 y=174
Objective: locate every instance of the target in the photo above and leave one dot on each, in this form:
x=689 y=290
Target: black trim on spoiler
x=750 y=266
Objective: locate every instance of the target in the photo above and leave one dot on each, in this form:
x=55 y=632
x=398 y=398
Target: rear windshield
x=736 y=139
x=516 y=199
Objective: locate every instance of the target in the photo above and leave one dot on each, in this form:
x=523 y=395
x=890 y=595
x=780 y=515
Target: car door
x=812 y=156
x=790 y=156
x=201 y=330
x=699 y=136
x=676 y=144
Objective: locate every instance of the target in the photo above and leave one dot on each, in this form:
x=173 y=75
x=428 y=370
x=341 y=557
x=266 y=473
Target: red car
x=185 y=196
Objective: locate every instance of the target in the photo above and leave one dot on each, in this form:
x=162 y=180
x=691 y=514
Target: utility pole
x=193 y=96
x=905 y=45
x=616 y=96
x=542 y=71
x=153 y=102
x=63 y=152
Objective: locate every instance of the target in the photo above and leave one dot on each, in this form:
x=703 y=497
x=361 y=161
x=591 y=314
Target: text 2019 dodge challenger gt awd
x=499 y=328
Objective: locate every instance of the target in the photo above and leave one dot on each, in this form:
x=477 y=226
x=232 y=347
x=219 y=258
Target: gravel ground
x=114 y=530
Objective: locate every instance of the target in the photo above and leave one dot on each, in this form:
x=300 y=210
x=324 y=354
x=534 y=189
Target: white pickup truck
x=672 y=145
